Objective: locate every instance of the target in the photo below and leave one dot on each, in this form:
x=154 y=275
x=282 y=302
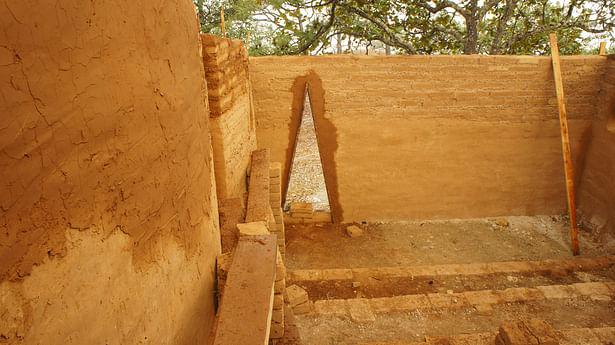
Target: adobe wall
x=596 y=197
x=108 y=216
x=231 y=112
x=429 y=137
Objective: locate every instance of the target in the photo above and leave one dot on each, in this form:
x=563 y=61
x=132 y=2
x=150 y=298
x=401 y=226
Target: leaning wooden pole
x=563 y=120
x=222 y=18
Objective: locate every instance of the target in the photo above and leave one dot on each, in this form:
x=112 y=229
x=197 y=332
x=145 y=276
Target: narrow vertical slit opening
x=306 y=181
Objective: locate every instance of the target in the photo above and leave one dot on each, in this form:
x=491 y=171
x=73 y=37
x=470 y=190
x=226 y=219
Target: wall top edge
x=436 y=57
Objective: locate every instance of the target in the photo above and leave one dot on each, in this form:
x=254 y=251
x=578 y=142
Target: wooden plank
x=222 y=18
x=244 y=316
x=258 y=190
x=602 y=48
x=563 y=120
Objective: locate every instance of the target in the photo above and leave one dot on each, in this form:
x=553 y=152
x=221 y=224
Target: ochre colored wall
x=231 y=112
x=108 y=216
x=427 y=137
x=596 y=197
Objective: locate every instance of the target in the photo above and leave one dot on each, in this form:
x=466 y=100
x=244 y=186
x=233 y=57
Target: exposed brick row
x=483 y=299
x=578 y=264
x=226 y=71
x=231 y=112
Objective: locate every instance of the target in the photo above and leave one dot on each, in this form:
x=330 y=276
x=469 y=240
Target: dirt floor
x=319 y=246
x=436 y=242
x=307 y=181
x=410 y=327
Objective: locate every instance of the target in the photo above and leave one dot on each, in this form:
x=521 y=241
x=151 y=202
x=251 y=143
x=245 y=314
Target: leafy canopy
x=412 y=27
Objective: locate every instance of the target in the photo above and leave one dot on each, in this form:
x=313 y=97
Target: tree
x=417 y=27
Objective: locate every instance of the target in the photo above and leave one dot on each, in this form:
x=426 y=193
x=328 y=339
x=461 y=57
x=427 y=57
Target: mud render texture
x=108 y=211
x=597 y=180
x=435 y=137
x=231 y=112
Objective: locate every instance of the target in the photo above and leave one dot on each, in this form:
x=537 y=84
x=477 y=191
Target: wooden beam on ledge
x=244 y=316
x=563 y=120
x=602 y=50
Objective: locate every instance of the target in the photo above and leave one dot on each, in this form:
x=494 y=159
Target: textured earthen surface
x=596 y=197
x=258 y=207
x=232 y=119
x=232 y=212
x=419 y=137
x=108 y=216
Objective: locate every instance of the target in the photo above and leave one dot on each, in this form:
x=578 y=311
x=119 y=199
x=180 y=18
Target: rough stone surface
x=360 y=311
x=331 y=307
x=354 y=231
x=302 y=308
x=296 y=295
x=557 y=291
x=253 y=229
x=527 y=333
x=588 y=289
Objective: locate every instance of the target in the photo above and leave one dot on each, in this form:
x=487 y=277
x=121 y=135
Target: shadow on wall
x=326 y=132
x=610 y=114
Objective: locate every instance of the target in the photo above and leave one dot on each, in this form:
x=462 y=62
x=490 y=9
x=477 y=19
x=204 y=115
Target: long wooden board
x=563 y=120
x=245 y=311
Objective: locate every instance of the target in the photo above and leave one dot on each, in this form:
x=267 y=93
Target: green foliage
x=283 y=27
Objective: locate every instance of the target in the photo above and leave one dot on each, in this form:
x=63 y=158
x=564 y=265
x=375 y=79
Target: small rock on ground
x=354 y=231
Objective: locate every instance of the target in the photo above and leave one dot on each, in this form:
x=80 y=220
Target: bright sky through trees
x=413 y=27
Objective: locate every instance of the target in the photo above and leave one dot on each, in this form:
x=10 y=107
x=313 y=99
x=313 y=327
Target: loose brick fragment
x=296 y=295
x=360 y=311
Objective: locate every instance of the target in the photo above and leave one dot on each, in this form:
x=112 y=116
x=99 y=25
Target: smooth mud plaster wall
x=597 y=188
x=427 y=137
x=231 y=112
x=108 y=216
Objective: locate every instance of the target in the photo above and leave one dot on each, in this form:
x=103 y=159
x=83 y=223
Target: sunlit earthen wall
x=597 y=189
x=430 y=137
x=108 y=216
x=231 y=112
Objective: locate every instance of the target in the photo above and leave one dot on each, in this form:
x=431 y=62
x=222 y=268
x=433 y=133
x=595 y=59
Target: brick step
x=394 y=281
x=363 y=309
x=573 y=336
x=415 y=318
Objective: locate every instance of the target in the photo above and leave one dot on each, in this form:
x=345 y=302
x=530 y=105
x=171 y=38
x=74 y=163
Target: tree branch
x=320 y=31
x=384 y=27
x=497 y=38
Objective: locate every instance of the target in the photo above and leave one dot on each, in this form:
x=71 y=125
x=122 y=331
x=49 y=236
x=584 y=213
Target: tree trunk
x=471 y=41
x=339 y=43
x=387 y=49
x=496 y=46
